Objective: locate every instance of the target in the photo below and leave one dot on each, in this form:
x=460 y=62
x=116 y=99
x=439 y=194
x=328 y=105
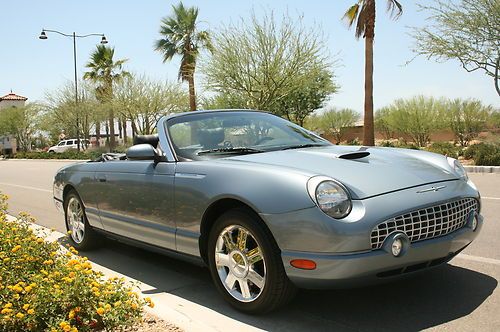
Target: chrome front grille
x=426 y=223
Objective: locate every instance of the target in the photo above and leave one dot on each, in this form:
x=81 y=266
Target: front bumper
x=354 y=269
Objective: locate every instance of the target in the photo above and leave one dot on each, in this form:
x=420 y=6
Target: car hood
x=384 y=170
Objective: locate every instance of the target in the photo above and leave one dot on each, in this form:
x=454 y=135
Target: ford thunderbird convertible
x=270 y=207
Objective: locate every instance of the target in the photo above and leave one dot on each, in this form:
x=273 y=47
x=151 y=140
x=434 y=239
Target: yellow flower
x=39 y=240
x=107 y=306
x=28 y=289
x=6 y=311
x=134 y=306
x=71 y=314
x=67 y=328
x=150 y=303
x=16 y=248
x=100 y=311
x=20 y=315
x=26 y=306
x=71 y=274
x=118 y=303
x=8 y=305
x=48 y=262
x=31 y=311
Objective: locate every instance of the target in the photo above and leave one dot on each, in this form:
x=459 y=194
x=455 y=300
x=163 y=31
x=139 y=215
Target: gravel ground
x=151 y=323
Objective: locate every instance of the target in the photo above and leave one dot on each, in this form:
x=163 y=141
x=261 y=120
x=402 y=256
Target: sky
x=32 y=67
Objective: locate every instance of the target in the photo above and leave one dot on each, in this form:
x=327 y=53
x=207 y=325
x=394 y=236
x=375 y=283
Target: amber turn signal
x=304 y=264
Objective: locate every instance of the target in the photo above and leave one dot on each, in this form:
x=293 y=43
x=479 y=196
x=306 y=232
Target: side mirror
x=142 y=152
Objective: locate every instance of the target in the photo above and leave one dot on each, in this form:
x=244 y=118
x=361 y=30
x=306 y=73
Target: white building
x=8 y=143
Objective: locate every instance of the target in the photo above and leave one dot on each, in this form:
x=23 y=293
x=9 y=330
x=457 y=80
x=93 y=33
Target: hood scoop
x=361 y=153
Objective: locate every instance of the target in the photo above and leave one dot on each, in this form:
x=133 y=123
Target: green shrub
x=387 y=144
x=445 y=148
x=44 y=289
x=484 y=154
x=354 y=141
x=398 y=144
x=69 y=154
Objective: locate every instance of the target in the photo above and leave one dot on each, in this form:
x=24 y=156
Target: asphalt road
x=460 y=296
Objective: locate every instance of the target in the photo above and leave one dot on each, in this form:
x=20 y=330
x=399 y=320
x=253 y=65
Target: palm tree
x=180 y=36
x=104 y=71
x=363 y=14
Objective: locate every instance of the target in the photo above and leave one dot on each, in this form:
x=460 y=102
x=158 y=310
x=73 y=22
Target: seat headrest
x=211 y=137
x=147 y=139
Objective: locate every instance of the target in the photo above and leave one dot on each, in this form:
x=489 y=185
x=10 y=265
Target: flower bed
x=43 y=288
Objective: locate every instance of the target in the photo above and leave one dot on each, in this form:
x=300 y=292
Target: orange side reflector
x=304 y=264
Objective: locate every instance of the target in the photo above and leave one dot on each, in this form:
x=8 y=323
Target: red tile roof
x=13 y=96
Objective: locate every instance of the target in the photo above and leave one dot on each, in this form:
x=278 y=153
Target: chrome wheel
x=76 y=220
x=240 y=263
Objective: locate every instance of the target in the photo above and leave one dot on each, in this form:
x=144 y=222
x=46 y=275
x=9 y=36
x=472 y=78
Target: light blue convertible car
x=269 y=206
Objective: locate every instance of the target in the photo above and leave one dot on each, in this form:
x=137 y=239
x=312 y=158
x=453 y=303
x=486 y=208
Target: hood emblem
x=433 y=189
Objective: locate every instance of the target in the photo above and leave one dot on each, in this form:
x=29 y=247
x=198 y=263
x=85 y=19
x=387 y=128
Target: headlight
x=458 y=168
x=330 y=196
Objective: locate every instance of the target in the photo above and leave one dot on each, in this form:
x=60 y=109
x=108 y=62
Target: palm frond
x=351 y=14
x=394 y=8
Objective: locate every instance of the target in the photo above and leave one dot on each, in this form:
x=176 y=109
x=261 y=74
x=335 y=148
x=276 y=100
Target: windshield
x=209 y=135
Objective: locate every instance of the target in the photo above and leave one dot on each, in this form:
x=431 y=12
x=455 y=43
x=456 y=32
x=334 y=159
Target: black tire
x=90 y=238
x=277 y=290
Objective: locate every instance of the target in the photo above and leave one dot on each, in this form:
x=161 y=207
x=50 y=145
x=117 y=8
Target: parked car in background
x=269 y=206
x=68 y=144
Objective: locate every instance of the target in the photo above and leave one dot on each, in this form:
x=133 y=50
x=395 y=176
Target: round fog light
x=397 y=247
x=474 y=223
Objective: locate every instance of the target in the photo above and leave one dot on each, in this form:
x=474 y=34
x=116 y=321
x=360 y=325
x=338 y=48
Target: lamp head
x=43 y=35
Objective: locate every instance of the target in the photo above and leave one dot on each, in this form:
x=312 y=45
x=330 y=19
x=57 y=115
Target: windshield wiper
x=242 y=150
x=308 y=145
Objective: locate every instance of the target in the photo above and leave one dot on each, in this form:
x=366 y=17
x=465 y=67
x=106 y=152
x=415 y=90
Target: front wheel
x=245 y=264
x=82 y=236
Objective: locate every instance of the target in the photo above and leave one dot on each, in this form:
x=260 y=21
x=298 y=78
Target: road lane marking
x=25 y=187
x=479 y=259
x=496 y=198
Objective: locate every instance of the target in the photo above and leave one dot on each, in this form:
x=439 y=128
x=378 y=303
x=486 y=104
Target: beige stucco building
x=8 y=143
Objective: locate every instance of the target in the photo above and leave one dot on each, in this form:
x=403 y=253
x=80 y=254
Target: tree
x=278 y=67
x=61 y=112
x=363 y=14
x=464 y=30
x=180 y=36
x=416 y=118
x=311 y=96
x=22 y=123
x=382 y=124
x=143 y=101
x=336 y=122
x=104 y=70
x=494 y=120
x=467 y=118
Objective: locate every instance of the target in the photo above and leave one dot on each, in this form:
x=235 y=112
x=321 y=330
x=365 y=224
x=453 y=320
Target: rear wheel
x=245 y=263
x=81 y=236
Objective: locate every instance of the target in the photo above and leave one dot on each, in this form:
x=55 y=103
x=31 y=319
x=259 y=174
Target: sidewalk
x=173 y=309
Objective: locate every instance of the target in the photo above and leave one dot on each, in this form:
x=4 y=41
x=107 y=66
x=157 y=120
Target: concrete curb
x=482 y=169
x=187 y=315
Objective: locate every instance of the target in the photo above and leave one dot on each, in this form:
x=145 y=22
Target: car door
x=136 y=200
x=67 y=146
x=60 y=146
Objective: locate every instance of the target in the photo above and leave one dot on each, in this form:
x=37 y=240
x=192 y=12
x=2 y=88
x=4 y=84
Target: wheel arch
x=67 y=188
x=214 y=211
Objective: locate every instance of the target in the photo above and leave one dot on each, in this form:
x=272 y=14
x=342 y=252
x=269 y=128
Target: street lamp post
x=43 y=36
